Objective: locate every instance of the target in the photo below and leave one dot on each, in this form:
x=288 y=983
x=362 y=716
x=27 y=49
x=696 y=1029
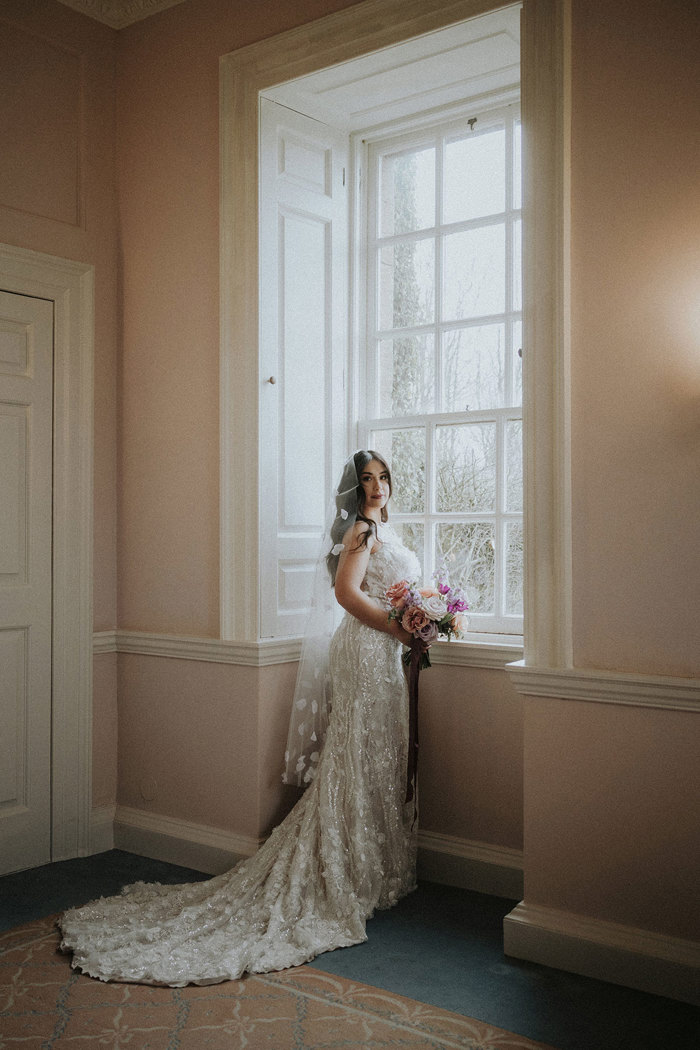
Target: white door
x=26 y=429
x=303 y=269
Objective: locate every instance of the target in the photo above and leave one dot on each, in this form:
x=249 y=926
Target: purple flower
x=442 y=580
x=429 y=632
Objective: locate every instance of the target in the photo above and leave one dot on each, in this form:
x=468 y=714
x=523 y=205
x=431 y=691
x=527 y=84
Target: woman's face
x=375 y=481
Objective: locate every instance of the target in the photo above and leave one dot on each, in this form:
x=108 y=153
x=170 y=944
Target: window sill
x=478 y=650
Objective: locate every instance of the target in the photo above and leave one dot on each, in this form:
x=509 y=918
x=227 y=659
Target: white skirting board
x=651 y=962
x=477 y=866
x=197 y=846
x=496 y=870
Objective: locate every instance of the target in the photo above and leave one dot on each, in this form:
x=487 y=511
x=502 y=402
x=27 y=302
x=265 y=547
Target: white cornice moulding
x=283 y=651
x=119 y=13
x=606 y=687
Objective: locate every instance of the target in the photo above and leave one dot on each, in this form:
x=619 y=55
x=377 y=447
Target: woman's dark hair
x=350 y=498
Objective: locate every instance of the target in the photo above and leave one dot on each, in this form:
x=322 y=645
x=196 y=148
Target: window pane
x=473 y=368
x=514 y=464
x=514 y=569
x=475 y=176
x=517 y=167
x=475 y=271
x=411 y=534
x=466 y=467
x=407 y=284
x=404 y=450
x=517 y=266
x=468 y=551
x=407 y=190
x=407 y=375
x=517 y=363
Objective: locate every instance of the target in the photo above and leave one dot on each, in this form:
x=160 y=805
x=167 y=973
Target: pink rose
x=397 y=594
x=413 y=619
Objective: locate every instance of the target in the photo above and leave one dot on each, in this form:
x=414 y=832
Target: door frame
x=70 y=286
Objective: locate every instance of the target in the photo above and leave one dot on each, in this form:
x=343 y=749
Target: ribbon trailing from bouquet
x=412 y=764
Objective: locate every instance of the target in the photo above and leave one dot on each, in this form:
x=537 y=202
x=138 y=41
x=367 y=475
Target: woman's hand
x=406 y=637
x=400 y=632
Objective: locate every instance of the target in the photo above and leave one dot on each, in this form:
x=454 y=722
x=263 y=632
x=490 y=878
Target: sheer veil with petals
x=313 y=691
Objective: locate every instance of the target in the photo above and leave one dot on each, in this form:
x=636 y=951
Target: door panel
x=26 y=427
x=303 y=267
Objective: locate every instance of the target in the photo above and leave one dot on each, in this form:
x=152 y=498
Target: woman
x=349 y=844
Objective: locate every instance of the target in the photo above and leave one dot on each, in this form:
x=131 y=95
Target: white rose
x=434 y=607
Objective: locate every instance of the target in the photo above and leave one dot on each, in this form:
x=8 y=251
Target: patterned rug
x=45 y=1004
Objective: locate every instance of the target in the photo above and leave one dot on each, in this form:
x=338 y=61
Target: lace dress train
x=347 y=847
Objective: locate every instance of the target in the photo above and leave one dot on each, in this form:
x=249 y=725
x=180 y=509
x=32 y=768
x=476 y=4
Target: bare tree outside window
x=445 y=388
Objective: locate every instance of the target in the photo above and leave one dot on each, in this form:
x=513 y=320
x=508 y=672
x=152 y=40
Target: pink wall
x=608 y=829
x=611 y=817
x=612 y=828
x=188 y=741
x=169 y=427
x=169 y=208
x=58 y=196
x=636 y=336
x=471 y=754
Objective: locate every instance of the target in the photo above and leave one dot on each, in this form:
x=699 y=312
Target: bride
x=349 y=844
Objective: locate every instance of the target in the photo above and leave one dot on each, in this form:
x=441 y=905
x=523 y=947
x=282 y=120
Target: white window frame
x=500 y=627
x=545 y=48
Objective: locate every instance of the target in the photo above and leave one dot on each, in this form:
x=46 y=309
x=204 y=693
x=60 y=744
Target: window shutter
x=303 y=278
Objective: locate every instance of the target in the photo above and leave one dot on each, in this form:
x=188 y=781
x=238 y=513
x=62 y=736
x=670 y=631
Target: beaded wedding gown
x=347 y=847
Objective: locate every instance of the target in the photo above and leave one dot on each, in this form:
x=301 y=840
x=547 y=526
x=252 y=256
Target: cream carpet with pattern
x=46 y=1004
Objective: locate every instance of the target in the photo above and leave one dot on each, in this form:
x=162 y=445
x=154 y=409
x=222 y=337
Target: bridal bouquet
x=428 y=613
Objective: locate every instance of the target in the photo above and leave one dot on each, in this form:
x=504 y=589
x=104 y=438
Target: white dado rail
x=606 y=687
x=266 y=653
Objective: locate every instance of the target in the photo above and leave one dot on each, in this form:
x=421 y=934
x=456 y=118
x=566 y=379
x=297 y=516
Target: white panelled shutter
x=303 y=319
x=26 y=450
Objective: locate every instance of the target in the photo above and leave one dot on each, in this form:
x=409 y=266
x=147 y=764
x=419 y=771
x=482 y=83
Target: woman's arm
x=352 y=567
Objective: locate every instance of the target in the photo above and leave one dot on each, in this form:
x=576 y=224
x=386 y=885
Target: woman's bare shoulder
x=355 y=536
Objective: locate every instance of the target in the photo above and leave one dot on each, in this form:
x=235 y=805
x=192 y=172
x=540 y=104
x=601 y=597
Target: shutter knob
x=271 y=380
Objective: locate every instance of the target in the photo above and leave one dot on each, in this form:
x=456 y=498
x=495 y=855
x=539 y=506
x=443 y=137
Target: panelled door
x=303 y=271
x=26 y=441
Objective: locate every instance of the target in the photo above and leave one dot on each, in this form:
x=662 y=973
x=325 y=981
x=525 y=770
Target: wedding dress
x=347 y=847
